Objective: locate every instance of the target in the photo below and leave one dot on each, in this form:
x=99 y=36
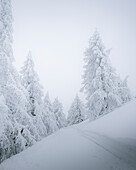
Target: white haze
x=57 y=33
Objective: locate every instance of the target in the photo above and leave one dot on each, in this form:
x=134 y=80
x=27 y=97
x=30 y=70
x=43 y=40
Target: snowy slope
x=119 y=124
x=87 y=146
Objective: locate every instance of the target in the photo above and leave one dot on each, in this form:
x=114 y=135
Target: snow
x=86 y=146
x=103 y=88
x=122 y=122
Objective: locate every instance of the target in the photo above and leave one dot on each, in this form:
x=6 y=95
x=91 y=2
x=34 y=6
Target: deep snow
x=108 y=143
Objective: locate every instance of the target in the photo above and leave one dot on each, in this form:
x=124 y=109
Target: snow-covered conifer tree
x=31 y=83
x=59 y=114
x=124 y=91
x=100 y=81
x=34 y=96
x=6 y=128
x=77 y=112
x=6 y=54
x=11 y=139
x=48 y=116
x=10 y=87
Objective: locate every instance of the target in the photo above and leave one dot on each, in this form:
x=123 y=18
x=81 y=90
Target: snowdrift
x=105 y=144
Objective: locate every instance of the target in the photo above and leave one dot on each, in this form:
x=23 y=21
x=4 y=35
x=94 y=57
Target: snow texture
x=89 y=145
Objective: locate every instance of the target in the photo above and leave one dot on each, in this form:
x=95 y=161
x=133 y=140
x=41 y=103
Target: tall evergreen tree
x=31 y=83
x=59 y=114
x=16 y=129
x=77 y=112
x=48 y=116
x=124 y=91
x=6 y=53
x=100 y=82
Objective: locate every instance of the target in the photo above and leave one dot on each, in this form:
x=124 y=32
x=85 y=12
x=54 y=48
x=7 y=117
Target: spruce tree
x=59 y=114
x=48 y=116
x=124 y=91
x=100 y=82
x=30 y=81
x=6 y=129
x=16 y=129
x=6 y=53
x=77 y=112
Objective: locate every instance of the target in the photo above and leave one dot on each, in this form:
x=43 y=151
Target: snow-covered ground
x=108 y=143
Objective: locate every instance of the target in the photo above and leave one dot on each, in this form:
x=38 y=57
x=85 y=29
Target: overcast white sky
x=57 y=33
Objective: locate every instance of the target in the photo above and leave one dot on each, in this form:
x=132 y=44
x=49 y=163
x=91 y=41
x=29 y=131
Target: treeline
x=26 y=115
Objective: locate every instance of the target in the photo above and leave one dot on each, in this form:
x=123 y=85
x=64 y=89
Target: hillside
x=108 y=143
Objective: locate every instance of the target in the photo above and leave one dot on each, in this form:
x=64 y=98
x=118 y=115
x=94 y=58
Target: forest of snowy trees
x=27 y=115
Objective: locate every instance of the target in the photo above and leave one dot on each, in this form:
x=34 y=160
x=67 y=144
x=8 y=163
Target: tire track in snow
x=94 y=138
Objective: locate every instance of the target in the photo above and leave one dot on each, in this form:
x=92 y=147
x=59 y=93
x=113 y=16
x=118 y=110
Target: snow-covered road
x=83 y=147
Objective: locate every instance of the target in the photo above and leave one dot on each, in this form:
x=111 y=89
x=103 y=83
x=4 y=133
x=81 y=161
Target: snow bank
x=84 y=146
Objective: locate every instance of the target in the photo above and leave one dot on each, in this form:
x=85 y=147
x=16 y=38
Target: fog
x=57 y=33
